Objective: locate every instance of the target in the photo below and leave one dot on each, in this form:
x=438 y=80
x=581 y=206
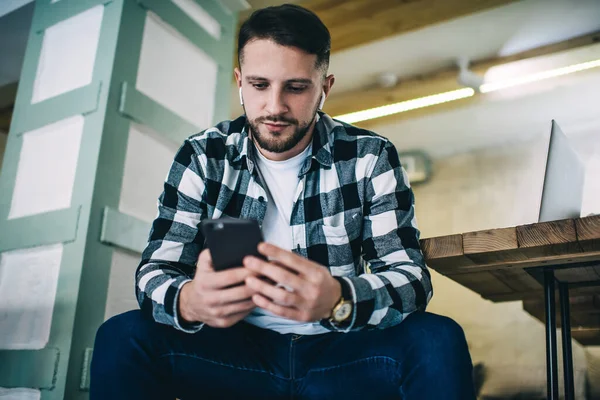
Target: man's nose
x=276 y=103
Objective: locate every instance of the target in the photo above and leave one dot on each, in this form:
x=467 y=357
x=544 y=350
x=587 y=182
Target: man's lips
x=275 y=127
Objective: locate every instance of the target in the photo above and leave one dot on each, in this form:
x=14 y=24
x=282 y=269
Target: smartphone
x=230 y=240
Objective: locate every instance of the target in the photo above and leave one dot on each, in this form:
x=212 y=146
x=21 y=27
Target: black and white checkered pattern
x=355 y=207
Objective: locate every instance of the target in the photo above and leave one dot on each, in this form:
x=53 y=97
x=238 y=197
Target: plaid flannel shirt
x=355 y=207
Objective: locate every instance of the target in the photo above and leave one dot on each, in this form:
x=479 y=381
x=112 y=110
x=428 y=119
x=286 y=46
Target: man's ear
x=323 y=97
x=329 y=80
x=237 y=74
x=238 y=79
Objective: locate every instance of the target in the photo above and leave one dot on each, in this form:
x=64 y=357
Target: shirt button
x=261 y=199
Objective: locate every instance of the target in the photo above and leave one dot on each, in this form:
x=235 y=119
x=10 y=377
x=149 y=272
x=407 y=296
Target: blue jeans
x=424 y=357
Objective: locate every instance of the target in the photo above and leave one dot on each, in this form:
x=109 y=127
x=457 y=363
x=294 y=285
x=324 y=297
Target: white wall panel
x=200 y=16
x=147 y=162
x=46 y=168
x=20 y=394
x=176 y=73
x=28 y=281
x=68 y=54
x=121 y=287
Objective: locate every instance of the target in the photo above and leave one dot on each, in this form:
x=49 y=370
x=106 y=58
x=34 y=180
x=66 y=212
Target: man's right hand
x=218 y=299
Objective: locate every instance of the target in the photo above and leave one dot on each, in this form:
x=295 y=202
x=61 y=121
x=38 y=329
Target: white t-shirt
x=281 y=178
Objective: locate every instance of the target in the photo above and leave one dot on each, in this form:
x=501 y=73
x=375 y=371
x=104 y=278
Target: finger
x=278 y=295
x=241 y=315
x=274 y=262
x=233 y=295
x=204 y=261
x=236 y=308
x=285 y=257
x=282 y=311
x=274 y=272
x=230 y=320
x=224 y=279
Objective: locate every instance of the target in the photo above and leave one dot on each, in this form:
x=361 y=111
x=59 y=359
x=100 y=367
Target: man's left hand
x=314 y=291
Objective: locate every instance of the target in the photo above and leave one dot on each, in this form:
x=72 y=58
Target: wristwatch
x=341 y=311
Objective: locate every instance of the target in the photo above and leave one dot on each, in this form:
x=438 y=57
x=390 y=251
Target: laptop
x=562 y=194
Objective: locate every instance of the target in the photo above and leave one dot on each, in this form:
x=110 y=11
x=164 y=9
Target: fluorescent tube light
x=407 y=105
x=445 y=97
x=538 y=76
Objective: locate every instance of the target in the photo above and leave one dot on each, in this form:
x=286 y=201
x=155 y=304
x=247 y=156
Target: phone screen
x=230 y=240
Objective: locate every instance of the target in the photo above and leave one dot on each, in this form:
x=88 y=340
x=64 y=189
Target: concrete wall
x=593 y=355
x=492 y=188
x=489 y=159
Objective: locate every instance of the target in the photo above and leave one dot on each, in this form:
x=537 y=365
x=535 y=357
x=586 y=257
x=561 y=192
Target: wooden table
x=524 y=263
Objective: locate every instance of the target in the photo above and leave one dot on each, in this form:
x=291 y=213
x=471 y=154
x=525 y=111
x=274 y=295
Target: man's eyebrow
x=300 y=80
x=255 y=78
x=293 y=80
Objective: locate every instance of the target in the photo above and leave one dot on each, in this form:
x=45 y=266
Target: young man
x=331 y=198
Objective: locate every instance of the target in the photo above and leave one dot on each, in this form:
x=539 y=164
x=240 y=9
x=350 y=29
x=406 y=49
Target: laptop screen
x=563 y=181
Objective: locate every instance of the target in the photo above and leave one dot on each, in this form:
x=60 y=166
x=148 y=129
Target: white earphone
x=322 y=99
x=241 y=98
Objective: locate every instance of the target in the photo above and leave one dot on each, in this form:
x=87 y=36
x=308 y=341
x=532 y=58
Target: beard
x=276 y=142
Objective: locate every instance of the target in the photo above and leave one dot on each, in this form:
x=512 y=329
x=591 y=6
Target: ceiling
x=492 y=120
x=497 y=32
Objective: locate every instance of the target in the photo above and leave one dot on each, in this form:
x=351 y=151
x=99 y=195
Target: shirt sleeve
x=169 y=259
x=399 y=282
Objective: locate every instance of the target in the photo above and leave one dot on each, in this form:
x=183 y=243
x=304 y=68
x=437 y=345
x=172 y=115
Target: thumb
x=204 y=261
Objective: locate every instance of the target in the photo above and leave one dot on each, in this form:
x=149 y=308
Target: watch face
x=343 y=312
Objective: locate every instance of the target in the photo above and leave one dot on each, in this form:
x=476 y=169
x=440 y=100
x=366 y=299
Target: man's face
x=281 y=88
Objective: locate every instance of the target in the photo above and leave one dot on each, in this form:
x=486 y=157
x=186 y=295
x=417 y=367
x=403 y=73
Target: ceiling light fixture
x=538 y=76
x=407 y=105
x=446 y=97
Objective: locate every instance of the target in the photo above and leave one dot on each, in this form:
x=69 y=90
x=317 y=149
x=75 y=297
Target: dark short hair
x=288 y=25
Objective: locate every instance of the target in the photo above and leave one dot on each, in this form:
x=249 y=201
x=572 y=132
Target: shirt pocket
x=337 y=235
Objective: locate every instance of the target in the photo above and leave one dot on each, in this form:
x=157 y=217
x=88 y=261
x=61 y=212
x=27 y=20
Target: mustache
x=277 y=119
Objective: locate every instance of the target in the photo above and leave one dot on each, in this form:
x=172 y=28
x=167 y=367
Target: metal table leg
x=565 y=310
x=551 y=345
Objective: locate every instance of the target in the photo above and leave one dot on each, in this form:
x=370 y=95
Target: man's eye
x=259 y=86
x=296 y=89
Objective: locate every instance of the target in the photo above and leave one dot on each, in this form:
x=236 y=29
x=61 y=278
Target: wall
x=593 y=354
x=484 y=189
x=494 y=186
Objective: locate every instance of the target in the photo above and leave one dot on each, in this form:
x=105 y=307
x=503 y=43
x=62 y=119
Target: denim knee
x=436 y=336
x=439 y=356
x=114 y=331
